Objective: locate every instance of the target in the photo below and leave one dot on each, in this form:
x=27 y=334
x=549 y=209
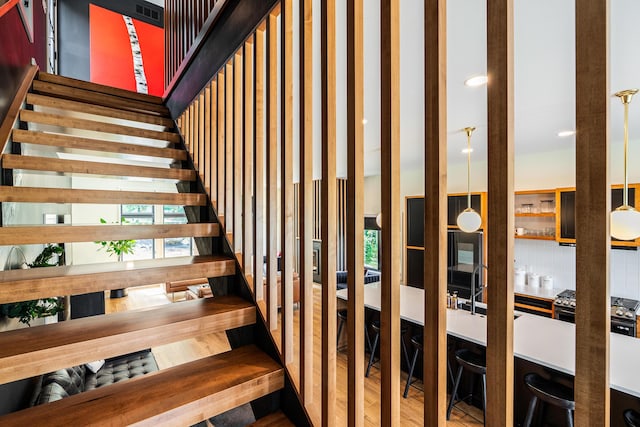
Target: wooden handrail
x=6 y=7
x=16 y=104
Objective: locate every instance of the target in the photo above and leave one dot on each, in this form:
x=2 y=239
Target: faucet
x=474 y=286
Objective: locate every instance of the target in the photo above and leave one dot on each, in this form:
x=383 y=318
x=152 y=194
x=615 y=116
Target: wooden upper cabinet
x=456 y=203
x=535 y=214
x=566 y=221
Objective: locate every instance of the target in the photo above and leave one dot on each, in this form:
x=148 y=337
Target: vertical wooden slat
x=192 y=129
x=206 y=146
x=272 y=166
x=201 y=127
x=355 y=210
x=237 y=153
x=593 y=195
x=228 y=154
x=435 y=218
x=221 y=152
x=213 y=152
x=286 y=182
x=196 y=132
x=306 y=201
x=500 y=213
x=248 y=166
x=391 y=218
x=328 y=201
x=258 y=153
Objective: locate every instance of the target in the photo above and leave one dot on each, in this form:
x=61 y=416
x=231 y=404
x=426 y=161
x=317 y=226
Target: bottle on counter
x=448 y=299
x=454 y=300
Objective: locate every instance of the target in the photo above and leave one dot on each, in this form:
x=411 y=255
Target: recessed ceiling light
x=565 y=133
x=476 y=81
x=365 y=121
x=467 y=150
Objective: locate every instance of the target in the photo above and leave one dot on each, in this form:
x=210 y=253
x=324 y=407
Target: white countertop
x=547 y=342
x=537 y=291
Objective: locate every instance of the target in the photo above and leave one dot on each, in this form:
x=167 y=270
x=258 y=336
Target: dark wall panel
x=237 y=20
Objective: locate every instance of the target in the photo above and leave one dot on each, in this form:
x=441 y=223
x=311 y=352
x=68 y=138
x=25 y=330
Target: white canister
x=533 y=280
x=519 y=277
x=547 y=282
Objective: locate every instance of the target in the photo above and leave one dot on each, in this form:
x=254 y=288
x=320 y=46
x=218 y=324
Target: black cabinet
x=85 y=305
x=568 y=210
x=415 y=221
x=415 y=268
x=457 y=204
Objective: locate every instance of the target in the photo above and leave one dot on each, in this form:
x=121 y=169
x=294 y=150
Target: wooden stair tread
x=38 y=350
x=50 y=164
x=93 y=125
x=69 y=141
x=96 y=87
x=182 y=395
x=105 y=100
x=41 y=234
x=23 y=285
x=84 y=107
x=68 y=195
x=276 y=419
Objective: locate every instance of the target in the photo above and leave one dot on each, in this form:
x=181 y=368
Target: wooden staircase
x=63 y=115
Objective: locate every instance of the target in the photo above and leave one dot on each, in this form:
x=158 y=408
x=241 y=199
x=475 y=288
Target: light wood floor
x=192 y=349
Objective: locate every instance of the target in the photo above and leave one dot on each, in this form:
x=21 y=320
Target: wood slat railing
x=234 y=132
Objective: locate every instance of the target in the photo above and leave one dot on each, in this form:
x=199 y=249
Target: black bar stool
x=375 y=325
x=416 y=342
x=550 y=392
x=476 y=364
x=631 y=418
x=342 y=319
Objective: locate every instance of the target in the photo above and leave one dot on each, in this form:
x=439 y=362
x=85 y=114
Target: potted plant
x=119 y=248
x=27 y=311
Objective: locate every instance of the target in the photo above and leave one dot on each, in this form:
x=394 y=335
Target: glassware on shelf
x=526 y=208
x=546 y=206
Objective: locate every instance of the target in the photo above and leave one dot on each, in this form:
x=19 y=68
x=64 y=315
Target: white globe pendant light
x=469 y=220
x=625 y=220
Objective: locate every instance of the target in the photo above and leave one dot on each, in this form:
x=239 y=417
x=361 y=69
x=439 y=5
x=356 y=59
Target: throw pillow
x=95 y=366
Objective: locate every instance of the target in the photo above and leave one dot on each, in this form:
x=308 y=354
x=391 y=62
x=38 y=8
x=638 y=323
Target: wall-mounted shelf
x=535 y=214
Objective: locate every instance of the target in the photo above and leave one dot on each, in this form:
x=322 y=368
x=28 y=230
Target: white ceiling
x=544 y=77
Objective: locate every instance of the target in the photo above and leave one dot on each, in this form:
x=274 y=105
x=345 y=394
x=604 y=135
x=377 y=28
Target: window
x=371 y=249
x=139 y=214
x=176 y=246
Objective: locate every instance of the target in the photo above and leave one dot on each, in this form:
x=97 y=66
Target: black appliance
x=464 y=255
x=623 y=312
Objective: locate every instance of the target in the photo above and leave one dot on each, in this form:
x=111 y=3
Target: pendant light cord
x=469 y=131
x=625 y=196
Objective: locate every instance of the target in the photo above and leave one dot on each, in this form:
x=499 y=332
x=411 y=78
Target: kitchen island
x=540 y=341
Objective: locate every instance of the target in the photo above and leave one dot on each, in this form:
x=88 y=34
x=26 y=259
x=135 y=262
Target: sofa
x=66 y=382
x=370 y=276
x=296 y=288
